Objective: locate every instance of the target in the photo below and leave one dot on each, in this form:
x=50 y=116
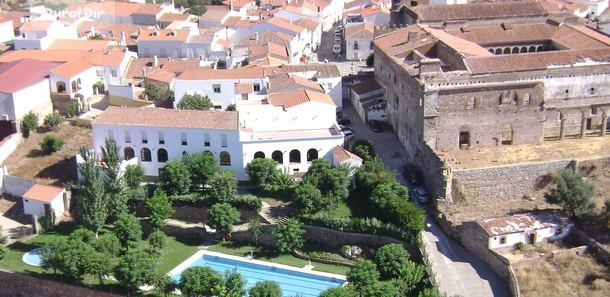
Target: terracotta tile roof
x=259 y=12
x=169 y=118
x=580 y=37
x=165 y=35
x=161 y=75
x=79 y=44
x=366 y=86
x=311 y=25
x=298 y=10
x=97 y=58
x=243 y=88
x=369 y=11
x=112 y=31
x=267 y=37
x=215 y=13
x=72 y=67
x=134 y=69
x=291 y=99
x=496 y=34
x=360 y=30
x=268 y=49
x=20 y=74
x=322 y=70
x=462 y=46
x=476 y=11
x=283 y=81
x=224 y=42
x=312 y=5
x=343 y=155
x=43 y=193
x=170 y=17
x=282 y=23
x=237 y=4
x=217 y=74
x=36 y=26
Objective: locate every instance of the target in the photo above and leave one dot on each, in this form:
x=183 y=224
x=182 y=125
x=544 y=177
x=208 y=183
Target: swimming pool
x=293 y=281
x=33 y=258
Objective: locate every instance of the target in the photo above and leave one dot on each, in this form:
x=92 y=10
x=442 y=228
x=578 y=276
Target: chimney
x=231 y=5
x=155 y=61
x=92 y=29
x=411 y=36
x=144 y=72
x=256 y=36
x=123 y=39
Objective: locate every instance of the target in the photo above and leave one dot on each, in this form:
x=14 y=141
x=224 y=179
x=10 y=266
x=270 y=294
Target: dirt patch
x=28 y=161
x=567 y=275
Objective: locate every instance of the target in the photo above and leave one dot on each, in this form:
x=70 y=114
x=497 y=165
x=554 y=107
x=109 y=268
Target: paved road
x=458 y=271
x=325 y=54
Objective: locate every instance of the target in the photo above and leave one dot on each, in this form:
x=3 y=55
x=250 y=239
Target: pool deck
x=199 y=254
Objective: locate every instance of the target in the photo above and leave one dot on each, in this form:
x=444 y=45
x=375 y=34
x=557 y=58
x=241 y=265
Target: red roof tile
x=20 y=74
x=217 y=74
x=43 y=193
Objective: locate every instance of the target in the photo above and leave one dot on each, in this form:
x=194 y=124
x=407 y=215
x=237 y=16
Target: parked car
x=377 y=126
x=421 y=195
x=347 y=133
x=344 y=121
x=344 y=127
x=336 y=49
x=337 y=33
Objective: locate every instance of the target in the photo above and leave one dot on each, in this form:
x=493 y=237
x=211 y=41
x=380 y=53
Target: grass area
x=342 y=211
x=269 y=255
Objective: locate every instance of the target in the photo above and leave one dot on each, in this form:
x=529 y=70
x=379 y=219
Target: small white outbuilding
x=41 y=200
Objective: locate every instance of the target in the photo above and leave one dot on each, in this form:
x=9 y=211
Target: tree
x=256 y=230
x=113 y=179
x=333 y=182
x=202 y=167
x=429 y=292
x=288 y=235
x=53 y=120
x=90 y=194
x=231 y=107
x=99 y=265
x=51 y=144
x=3 y=242
x=164 y=285
x=265 y=289
x=156 y=93
x=364 y=149
x=385 y=192
x=411 y=275
x=195 y=102
x=573 y=193
x=308 y=199
x=390 y=258
x=29 y=123
x=235 y=284
x=72 y=258
x=372 y=173
x=381 y=289
x=128 y=230
x=83 y=235
x=96 y=36
x=136 y=268
x=344 y=291
x=223 y=186
x=262 y=171
x=157 y=241
x=363 y=274
x=199 y=281
x=159 y=209
x=370 y=60
x=49 y=253
x=222 y=217
x=134 y=174
x=176 y=178
x=107 y=244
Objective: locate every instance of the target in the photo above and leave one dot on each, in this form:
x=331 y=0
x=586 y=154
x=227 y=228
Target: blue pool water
x=33 y=258
x=293 y=283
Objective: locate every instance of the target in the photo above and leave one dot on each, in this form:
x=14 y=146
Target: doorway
x=531 y=238
x=464 y=139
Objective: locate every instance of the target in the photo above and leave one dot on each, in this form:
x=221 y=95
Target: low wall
x=16 y=186
x=61 y=102
x=120 y=101
x=8 y=146
x=126 y=91
x=598 y=250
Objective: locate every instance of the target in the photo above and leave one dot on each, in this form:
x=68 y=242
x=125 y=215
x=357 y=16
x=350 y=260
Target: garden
x=128 y=234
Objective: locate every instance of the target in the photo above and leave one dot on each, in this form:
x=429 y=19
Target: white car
x=337 y=49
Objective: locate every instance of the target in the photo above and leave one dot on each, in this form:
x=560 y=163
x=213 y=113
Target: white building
x=359 y=40
x=41 y=34
x=6 y=30
x=368 y=101
x=41 y=200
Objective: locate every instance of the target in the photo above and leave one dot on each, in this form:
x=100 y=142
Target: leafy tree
x=202 y=167
x=364 y=149
x=176 y=178
x=156 y=93
x=53 y=120
x=134 y=174
x=370 y=60
x=344 y=291
x=372 y=173
x=128 y=230
x=195 y=102
x=363 y=274
x=81 y=234
x=72 y=258
x=573 y=193
x=159 y=209
x=49 y=253
x=96 y=36
x=107 y=244
x=235 y=284
x=386 y=191
x=223 y=186
x=197 y=10
x=406 y=214
x=199 y=281
x=390 y=258
x=381 y=289
x=3 y=242
x=99 y=265
x=113 y=179
x=265 y=289
x=308 y=199
x=29 y=123
x=333 y=182
x=222 y=217
x=429 y=292
x=157 y=241
x=72 y=110
x=51 y=144
x=164 y=285
x=262 y=171
x=136 y=268
x=256 y=230
x=231 y=107
x=90 y=194
x=288 y=235
x=411 y=275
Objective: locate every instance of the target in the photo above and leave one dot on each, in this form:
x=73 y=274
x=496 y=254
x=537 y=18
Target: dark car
x=377 y=126
x=344 y=121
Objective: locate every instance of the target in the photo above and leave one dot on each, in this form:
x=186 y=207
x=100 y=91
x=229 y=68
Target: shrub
x=72 y=110
x=29 y=123
x=176 y=178
x=390 y=258
x=222 y=217
x=195 y=102
x=308 y=199
x=53 y=120
x=364 y=149
x=51 y=144
x=157 y=241
x=200 y=281
x=156 y=93
x=370 y=60
x=288 y=235
x=223 y=186
x=265 y=289
x=363 y=274
x=133 y=176
x=248 y=201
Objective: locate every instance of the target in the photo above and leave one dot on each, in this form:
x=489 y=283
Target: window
x=127 y=137
x=278 y=157
x=183 y=138
x=355 y=44
x=161 y=138
x=507 y=134
x=206 y=139
x=295 y=156
x=257 y=87
x=128 y=153
x=471 y=103
x=113 y=72
x=218 y=107
x=464 y=139
x=329 y=86
x=223 y=140
x=259 y=155
x=145 y=155
x=161 y=156
x=216 y=88
x=502 y=239
x=225 y=159
x=312 y=154
x=592 y=91
x=371 y=45
x=144 y=137
x=526 y=99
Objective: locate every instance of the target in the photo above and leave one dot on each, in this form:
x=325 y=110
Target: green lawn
x=269 y=255
x=342 y=211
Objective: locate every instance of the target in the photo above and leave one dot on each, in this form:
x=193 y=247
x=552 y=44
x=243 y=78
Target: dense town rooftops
x=168 y=118
x=291 y=99
x=214 y=13
x=79 y=44
x=267 y=50
x=322 y=70
x=478 y=11
x=217 y=74
x=19 y=74
x=97 y=58
x=267 y=37
x=284 y=80
x=137 y=66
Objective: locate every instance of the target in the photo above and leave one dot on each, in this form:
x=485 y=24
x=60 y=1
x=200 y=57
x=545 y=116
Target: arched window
x=506 y=50
x=515 y=50
x=259 y=155
x=312 y=154
x=278 y=157
x=225 y=159
x=498 y=51
x=524 y=49
x=295 y=156
x=145 y=155
x=532 y=49
x=61 y=87
x=128 y=153
x=162 y=156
